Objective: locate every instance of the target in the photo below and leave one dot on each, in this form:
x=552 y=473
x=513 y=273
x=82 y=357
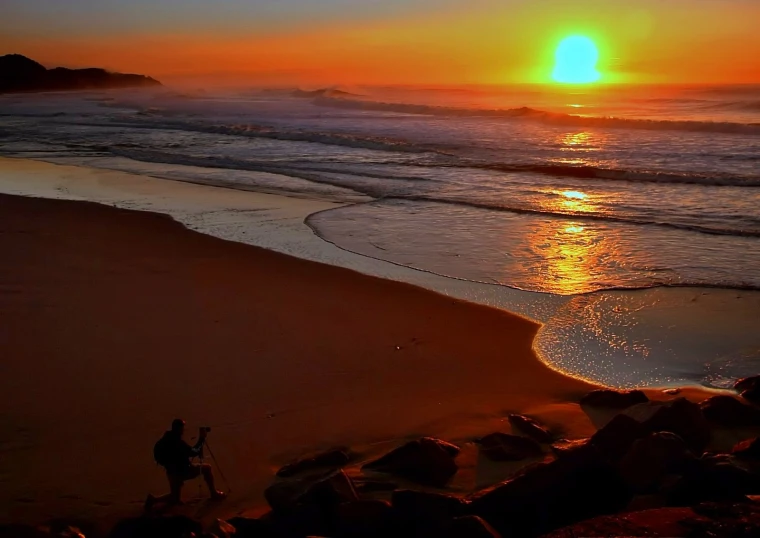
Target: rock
x=531 y=428
x=679 y=416
x=283 y=494
x=672 y=392
x=470 y=527
x=421 y=513
x=578 y=451
x=714 y=478
x=332 y=458
x=748 y=383
x=651 y=458
x=748 y=449
x=327 y=491
x=365 y=519
x=549 y=495
x=426 y=461
x=752 y=395
x=613 y=399
x=729 y=412
x=156 y=527
x=330 y=491
x=505 y=447
x=615 y=438
x=223 y=529
x=253 y=528
x=658 y=522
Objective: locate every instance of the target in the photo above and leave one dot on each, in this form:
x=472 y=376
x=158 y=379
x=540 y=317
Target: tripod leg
x=221 y=473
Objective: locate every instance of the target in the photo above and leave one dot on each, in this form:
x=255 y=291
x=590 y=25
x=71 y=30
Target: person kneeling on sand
x=175 y=455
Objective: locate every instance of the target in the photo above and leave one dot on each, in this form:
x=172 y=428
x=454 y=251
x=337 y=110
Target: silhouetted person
x=175 y=455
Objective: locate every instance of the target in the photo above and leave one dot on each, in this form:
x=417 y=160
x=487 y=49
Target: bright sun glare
x=576 y=60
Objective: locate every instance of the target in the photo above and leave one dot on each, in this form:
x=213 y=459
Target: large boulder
x=426 y=461
x=420 y=513
x=505 y=447
x=729 y=412
x=332 y=458
x=613 y=399
x=651 y=458
x=531 y=428
x=679 y=416
x=325 y=492
x=549 y=495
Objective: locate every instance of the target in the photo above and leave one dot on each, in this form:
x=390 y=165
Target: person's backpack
x=161 y=451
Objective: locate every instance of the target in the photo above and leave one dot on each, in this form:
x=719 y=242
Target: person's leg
x=173 y=497
x=208 y=476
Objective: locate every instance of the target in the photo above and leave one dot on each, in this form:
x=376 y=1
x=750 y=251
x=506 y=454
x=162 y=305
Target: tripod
x=216 y=463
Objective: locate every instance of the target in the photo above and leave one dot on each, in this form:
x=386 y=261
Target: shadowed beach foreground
x=114 y=322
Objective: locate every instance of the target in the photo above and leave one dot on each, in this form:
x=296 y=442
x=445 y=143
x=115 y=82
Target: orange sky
x=480 y=41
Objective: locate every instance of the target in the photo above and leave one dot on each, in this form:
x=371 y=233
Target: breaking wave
x=544 y=116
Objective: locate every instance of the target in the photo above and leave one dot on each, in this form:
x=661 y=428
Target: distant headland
x=21 y=74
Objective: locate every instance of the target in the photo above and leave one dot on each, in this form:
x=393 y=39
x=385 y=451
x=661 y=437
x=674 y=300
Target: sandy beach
x=116 y=321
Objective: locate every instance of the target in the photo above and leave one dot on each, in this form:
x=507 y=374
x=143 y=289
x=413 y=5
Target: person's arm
x=196 y=449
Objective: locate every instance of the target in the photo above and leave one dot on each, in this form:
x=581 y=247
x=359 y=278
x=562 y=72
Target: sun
x=576 y=60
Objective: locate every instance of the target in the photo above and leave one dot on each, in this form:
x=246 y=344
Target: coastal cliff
x=21 y=74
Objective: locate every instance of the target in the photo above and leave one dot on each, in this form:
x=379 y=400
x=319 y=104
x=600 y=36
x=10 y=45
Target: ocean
x=577 y=192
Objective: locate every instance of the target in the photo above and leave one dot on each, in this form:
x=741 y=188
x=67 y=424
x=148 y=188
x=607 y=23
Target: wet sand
x=113 y=322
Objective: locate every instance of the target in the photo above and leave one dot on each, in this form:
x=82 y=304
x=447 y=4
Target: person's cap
x=177 y=424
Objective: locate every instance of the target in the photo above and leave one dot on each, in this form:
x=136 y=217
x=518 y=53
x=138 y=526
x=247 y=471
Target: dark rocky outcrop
x=729 y=412
x=613 y=399
x=679 y=416
x=21 y=74
x=332 y=458
x=426 y=461
x=505 y=447
x=531 y=428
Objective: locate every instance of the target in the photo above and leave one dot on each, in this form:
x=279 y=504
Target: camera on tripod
x=205 y=429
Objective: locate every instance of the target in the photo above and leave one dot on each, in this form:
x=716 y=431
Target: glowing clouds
x=576 y=60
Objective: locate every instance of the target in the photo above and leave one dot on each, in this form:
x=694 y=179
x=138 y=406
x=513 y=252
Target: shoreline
x=453 y=413
x=661 y=338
